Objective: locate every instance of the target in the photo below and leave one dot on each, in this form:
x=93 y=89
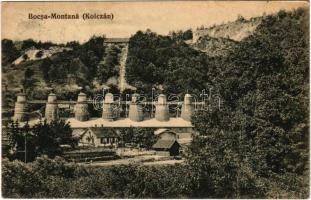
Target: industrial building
x=86 y=127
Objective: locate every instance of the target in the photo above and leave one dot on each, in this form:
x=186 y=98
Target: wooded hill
x=172 y=63
x=256 y=145
x=77 y=66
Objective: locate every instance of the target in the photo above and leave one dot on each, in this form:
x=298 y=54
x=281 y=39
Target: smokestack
x=136 y=110
x=20 y=108
x=108 y=113
x=162 y=112
x=187 y=108
x=51 y=109
x=81 y=108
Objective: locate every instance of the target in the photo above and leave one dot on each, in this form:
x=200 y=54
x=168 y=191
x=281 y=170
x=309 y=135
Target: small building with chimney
x=98 y=137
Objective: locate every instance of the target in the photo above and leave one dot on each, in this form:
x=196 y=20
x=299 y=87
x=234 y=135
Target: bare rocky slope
x=218 y=40
x=38 y=54
x=236 y=30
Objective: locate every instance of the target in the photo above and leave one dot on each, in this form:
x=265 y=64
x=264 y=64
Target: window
x=103 y=140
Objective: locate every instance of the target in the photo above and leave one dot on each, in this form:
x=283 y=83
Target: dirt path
x=144 y=160
x=122 y=80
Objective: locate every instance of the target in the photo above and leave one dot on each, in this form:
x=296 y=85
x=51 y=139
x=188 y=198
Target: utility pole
x=152 y=101
x=126 y=96
x=25 y=149
x=25 y=139
x=177 y=112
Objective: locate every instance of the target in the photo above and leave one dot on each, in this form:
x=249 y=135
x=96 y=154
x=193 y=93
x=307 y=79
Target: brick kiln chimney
x=81 y=108
x=51 y=109
x=20 y=108
x=162 y=110
x=187 y=108
x=136 y=110
x=108 y=113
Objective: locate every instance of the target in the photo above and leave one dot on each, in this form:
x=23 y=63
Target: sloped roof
x=126 y=122
x=78 y=132
x=104 y=132
x=164 y=130
x=160 y=130
x=116 y=40
x=164 y=144
x=122 y=122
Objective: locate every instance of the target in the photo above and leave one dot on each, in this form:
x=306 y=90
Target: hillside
x=170 y=63
x=262 y=128
x=66 y=68
x=37 y=54
x=252 y=138
x=218 y=40
x=80 y=65
x=37 y=67
x=156 y=60
x=236 y=30
x=214 y=46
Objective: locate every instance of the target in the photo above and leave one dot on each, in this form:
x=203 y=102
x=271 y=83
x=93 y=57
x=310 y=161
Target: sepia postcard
x=167 y=99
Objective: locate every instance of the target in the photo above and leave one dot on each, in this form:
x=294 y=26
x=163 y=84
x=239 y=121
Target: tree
x=55 y=178
x=256 y=145
x=219 y=157
x=39 y=54
x=25 y=57
x=28 y=44
x=156 y=59
x=9 y=52
x=19 y=179
x=50 y=136
x=241 y=18
x=22 y=142
x=143 y=137
x=45 y=68
x=41 y=139
x=127 y=135
x=28 y=82
x=107 y=68
x=28 y=73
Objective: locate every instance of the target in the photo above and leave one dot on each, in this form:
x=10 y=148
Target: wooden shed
x=166 y=147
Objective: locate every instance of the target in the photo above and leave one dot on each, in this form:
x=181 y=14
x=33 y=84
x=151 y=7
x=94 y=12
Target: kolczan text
x=87 y=16
x=71 y=16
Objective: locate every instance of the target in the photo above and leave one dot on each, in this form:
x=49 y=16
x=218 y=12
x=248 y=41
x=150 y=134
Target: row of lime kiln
x=136 y=112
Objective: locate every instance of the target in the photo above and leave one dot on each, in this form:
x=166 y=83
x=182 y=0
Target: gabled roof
x=116 y=40
x=78 y=132
x=163 y=130
x=159 y=131
x=104 y=132
x=126 y=122
x=164 y=144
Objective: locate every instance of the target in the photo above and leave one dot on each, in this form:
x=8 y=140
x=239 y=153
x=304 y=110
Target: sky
x=129 y=17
